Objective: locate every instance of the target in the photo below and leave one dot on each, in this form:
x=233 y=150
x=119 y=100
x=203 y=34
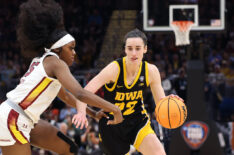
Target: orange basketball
x=170 y=112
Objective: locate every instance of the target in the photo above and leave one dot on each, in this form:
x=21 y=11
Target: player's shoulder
x=114 y=65
x=153 y=73
x=109 y=73
x=53 y=65
x=54 y=61
x=151 y=67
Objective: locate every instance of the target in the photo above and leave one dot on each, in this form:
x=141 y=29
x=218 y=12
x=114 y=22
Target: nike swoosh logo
x=141 y=84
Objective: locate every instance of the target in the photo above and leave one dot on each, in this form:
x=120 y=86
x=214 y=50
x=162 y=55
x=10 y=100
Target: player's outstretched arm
x=69 y=99
x=105 y=76
x=61 y=71
x=79 y=119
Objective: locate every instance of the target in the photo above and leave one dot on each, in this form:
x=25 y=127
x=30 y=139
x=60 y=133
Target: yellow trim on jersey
x=125 y=74
x=146 y=130
x=113 y=87
x=100 y=138
x=35 y=92
x=146 y=74
x=14 y=130
x=144 y=110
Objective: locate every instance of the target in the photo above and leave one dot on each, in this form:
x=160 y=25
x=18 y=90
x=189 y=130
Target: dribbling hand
x=173 y=96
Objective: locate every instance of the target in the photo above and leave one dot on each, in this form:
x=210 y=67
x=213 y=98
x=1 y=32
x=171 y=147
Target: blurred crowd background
x=87 y=21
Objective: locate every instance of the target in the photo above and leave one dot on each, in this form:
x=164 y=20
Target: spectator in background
x=181 y=84
x=72 y=131
x=166 y=84
x=63 y=128
x=230 y=44
x=171 y=74
x=224 y=67
x=216 y=77
x=176 y=63
x=222 y=101
x=159 y=62
x=207 y=88
x=68 y=110
x=95 y=18
x=214 y=57
x=227 y=91
x=91 y=141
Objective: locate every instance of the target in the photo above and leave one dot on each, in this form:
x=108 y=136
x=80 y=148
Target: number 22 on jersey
x=129 y=107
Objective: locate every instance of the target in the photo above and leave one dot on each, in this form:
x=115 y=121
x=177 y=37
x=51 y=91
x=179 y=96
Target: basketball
x=170 y=112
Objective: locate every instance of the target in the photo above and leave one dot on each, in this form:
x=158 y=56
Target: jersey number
x=129 y=105
x=31 y=68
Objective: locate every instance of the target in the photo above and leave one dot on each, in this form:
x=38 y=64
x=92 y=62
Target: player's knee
x=73 y=147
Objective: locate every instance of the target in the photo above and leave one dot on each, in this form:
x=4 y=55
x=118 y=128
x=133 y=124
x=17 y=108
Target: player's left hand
x=175 y=96
x=80 y=120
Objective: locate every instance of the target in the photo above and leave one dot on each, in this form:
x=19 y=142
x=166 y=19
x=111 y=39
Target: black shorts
x=116 y=139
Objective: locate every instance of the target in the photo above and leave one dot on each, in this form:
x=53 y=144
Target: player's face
x=68 y=53
x=135 y=49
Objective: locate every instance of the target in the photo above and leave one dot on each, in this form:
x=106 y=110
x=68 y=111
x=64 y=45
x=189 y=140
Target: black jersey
x=116 y=139
x=129 y=98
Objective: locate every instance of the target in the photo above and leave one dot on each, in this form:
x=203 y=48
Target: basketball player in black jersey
x=124 y=81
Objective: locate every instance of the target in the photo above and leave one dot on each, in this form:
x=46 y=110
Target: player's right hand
x=118 y=117
x=100 y=114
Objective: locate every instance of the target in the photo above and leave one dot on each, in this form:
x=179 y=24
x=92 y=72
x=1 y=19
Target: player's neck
x=132 y=68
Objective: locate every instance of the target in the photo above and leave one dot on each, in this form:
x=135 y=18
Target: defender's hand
x=100 y=114
x=118 y=117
